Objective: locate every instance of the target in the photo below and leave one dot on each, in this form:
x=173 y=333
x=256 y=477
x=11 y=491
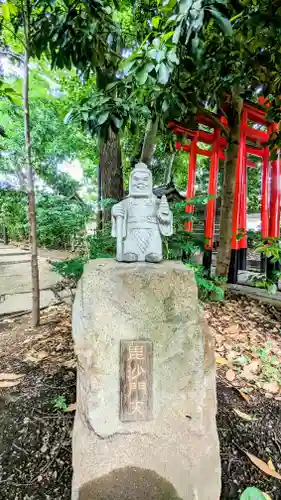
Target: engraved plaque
x=136 y=380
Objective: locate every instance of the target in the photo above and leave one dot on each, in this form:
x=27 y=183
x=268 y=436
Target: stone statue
x=140 y=219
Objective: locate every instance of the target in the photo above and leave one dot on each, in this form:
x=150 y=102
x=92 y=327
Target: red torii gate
x=253 y=141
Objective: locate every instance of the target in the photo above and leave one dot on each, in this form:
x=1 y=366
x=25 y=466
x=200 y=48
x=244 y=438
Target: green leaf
x=154 y=54
x=68 y=117
x=222 y=21
x=128 y=66
x=141 y=76
x=167 y=36
x=155 y=21
x=118 y=122
x=5 y=11
x=111 y=85
x=177 y=33
x=272 y=289
x=156 y=42
x=149 y=67
x=103 y=117
x=163 y=74
x=165 y=106
x=172 y=56
x=185 y=6
x=252 y=493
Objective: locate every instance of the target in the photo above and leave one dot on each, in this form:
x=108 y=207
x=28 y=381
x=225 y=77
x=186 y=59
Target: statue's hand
x=118 y=210
x=164 y=206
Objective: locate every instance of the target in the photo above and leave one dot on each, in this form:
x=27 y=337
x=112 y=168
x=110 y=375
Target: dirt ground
x=37 y=396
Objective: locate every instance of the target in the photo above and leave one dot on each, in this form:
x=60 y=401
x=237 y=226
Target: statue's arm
x=165 y=217
x=118 y=210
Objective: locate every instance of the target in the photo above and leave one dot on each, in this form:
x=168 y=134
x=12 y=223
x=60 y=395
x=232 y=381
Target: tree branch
x=14 y=34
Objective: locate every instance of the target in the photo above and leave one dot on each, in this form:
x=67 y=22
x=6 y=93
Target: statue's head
x=140 y=181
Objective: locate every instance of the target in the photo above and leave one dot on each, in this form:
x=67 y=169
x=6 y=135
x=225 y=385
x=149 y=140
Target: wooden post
x=274 y=221
x=243 y=216
x=265 y=195
x=190 y=189
x=241 y=160
x=30 y=173
x=5 y=234
x=212 y=191
x=241 y=163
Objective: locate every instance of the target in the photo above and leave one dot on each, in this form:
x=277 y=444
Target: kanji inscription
x=136 y=380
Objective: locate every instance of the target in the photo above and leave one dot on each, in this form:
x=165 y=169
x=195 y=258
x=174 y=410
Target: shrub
x=13 y=212
x=72 y=268
x=58 y=218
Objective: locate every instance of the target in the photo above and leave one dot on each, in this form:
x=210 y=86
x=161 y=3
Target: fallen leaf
x=230 y=375
x=71 y=363
x=255 y=367
x=232 y=329
x=36 y=356
x=271 y=387
x=270 y=465
x=231 y=355
x=245 y=416
x=247 y=373
x=9 y=383
x=221 y=361
x=10 y=376
x=71 y=407
x=244 y=395
x=220 y=348
x=262 y=465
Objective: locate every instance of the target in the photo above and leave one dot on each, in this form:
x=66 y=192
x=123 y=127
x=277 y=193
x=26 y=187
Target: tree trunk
x=111 y=170
x=99 y=211
x=228 y=191
x=30 y=179
x=169 y=169
x=149 y=141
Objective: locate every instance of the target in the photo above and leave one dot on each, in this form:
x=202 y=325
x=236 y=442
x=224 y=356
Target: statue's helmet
x=140 y=181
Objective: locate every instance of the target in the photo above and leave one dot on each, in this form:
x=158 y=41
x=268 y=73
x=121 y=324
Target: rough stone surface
x=19 y=302
x=16 y=277
x=19 y=258
x=15 y=281
x=139 y=221
x=145 y=301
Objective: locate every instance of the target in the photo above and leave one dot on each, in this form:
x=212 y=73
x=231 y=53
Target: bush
x=101 y=245
x=253 y=237
x=183 y=246
x=13 y=212
x=58 y=218
x=72 y=268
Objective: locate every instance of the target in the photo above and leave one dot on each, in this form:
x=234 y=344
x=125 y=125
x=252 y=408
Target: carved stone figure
x=139 y=220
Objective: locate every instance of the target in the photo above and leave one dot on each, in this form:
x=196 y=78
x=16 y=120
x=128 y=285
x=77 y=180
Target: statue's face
x=141 y=184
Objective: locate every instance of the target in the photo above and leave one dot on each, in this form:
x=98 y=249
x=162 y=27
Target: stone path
x=15 y=281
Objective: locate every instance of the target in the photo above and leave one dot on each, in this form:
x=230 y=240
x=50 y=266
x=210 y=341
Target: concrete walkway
x=15 y=281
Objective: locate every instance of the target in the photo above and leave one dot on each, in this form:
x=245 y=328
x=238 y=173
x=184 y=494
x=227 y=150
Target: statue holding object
x=139 y=220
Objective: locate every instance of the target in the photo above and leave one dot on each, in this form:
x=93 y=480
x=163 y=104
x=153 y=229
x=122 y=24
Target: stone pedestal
x=170 y=451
